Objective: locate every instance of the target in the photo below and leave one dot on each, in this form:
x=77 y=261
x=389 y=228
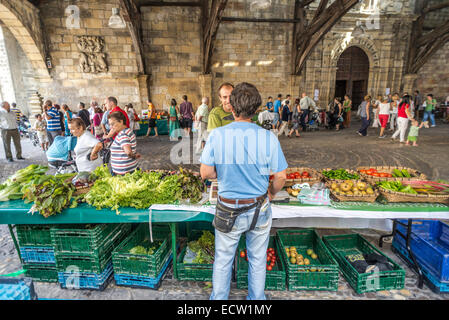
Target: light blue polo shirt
x=244 y=155
x=277 y=105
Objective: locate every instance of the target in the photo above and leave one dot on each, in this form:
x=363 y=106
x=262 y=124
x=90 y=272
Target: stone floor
x=319 y=149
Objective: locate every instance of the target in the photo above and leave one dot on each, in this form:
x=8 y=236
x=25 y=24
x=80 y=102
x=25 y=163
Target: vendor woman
x=87 y=146
x=123 y=149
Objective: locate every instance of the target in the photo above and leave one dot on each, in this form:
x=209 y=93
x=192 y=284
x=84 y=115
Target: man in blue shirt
x=269 y=104
x=242 y=155
x=53 y=121
x=277 y=107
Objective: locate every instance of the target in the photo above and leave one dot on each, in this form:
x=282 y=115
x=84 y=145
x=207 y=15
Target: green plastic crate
x=90 y=262
x=142 y=265
x=342 y=245
x=41 y=272
x=320 y=274
x=274 y=280
x=193 y=271
x=34 y=236
x=85 y=239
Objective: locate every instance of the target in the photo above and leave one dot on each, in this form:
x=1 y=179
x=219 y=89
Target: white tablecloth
x=326 y=217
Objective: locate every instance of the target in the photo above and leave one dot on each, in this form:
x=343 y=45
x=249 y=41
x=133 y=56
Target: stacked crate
x=143 y=270
x=83 y=253
x=37 y=252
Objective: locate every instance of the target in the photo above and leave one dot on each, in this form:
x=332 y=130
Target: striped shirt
x=53 y=124
x=17 y=112
x=121 y=163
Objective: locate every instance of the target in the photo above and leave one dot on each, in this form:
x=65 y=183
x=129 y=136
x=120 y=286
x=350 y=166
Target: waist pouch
x=225 y=217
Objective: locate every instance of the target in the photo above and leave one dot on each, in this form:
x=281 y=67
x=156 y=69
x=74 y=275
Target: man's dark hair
x=48 y=103
x=416 y=91
x=13 y=104
x=38 y=115
x=226 y=84
x=82 y=105
x=173 y=102
x=117 y=116
x=287 y=102
x=430 y=95
x=112 y=99
x=184 y=97
x=279 y=95
x=270 y=97
x=245 y=100
x=288 y=95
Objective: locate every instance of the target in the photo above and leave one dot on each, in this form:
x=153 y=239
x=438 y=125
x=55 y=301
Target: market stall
x=181 y=197
x=162 y=127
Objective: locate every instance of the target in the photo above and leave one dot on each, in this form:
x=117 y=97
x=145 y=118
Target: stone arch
x=370 y=50
x=23 y=20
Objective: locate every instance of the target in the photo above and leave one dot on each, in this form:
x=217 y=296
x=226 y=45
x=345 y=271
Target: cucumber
x=406 y=174
x=397 y=173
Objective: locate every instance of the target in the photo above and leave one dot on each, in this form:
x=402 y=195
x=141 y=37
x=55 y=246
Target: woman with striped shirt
x=123 y=149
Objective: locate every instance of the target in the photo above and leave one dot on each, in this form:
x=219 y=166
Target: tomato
x=242 y=254
x=272 y=264
x=373 y=170
x=289 y=176
x=269 y=268
x=384 y=175
x=297 y=175
x=273 y=261
x=305 y=173
x=376 y=174
x=389 y=175
x=268 y=259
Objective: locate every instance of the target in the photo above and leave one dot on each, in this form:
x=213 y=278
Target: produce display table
x=16 y=212
x=162 y=127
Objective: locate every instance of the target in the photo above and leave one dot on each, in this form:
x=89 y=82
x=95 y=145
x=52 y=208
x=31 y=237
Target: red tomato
x=272 y=264
x=305 y=173
x=384 y=175
x=376 y=174
x=373 y=170
x=269 y=268
x=389 y=175
x=273 y=260
x=242 y=254
x=268 y=259
x=297 y=175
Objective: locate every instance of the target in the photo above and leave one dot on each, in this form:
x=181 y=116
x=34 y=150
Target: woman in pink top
x=404 y=115
x=98 y=131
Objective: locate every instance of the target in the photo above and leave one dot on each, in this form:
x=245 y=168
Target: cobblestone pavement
x=314 y=149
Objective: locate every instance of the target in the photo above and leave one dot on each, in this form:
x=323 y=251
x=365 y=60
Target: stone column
x=144 y=90
x=294 y=87
x=205 y=82
x=408 y=82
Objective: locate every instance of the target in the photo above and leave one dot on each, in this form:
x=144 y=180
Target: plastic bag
x=189 y=256
x=314 y=196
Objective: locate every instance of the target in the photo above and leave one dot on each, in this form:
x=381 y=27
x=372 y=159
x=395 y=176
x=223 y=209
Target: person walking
x=376 y=103
x=306 y=106
x=53 y=118
x=296 y=119
x=130 y=112
x=366 y=113
x=187 y=115
x=347 y=107
x=201 y=117
x=152 y=119
x=40 y=127
x=96 y=123
x=394 y=112
x=276 y=109
x=285 y=116
x=9 y=128
x=221 y=115
x=384 y=114
x=429 y=111
x=404 y=114
x=242 y=173
x=413 y=132
x=174 y=122
x=67 y=117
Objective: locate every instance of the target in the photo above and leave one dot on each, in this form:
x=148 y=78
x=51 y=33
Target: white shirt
x=8 y=120
x=384 y=108
x=91 y=113
x=84 y=146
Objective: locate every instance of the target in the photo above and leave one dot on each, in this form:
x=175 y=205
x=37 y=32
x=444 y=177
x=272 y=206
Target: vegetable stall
x=166 y=197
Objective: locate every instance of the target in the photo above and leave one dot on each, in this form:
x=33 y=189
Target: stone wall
x=172 y=53
x=7 y=92
x=69 y=84
x=433 y=77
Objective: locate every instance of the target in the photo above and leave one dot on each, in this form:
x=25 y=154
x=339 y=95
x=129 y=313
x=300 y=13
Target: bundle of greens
x=141 y=189
x=339 y=174
x=15 y=185
x=146 y=248
x=51 y=194
x=396 y=186
x=204 y=248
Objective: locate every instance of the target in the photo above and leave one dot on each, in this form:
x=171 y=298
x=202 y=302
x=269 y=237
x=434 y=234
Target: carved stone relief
x=92 y=58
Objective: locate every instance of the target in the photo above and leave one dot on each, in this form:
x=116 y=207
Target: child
x=40 y=128
x=284 y=118
x=413 y=133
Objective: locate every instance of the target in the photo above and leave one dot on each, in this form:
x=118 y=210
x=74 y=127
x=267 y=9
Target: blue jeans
x=428 y=114
x=276 y=119
x=365 y=124
x=304 y=114
x=256 y=245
